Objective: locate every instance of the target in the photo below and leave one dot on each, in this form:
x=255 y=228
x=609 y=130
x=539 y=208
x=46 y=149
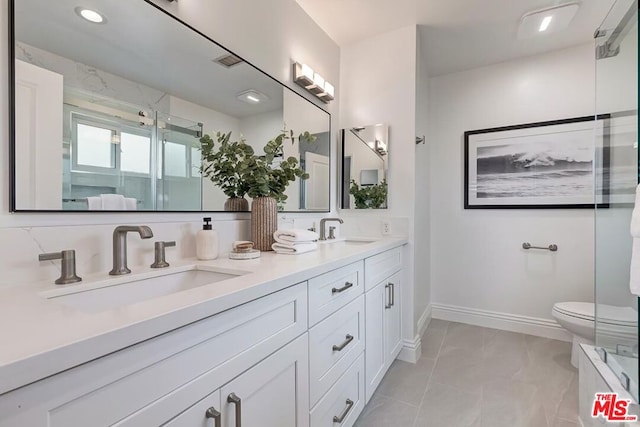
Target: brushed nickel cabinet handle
x=388 y=297
x=346 y=286
x=346 y=342
x=393 y=294
x=233 y=398
x=344 y=414
x=215 y=415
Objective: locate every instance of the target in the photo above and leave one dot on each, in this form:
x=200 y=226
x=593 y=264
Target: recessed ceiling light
x=252 y=96
x=90 y=15
x=547 y=21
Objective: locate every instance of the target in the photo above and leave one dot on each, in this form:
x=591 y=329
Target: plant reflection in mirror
x=369 y=196
x=224 y=164
x=237 y=170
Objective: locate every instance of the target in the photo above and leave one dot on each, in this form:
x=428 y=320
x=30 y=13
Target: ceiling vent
x=228 y=61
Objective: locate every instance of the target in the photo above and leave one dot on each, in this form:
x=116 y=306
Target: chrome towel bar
x=552 y=247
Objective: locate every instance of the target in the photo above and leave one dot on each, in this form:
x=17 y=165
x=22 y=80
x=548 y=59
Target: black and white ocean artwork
x=535 y=170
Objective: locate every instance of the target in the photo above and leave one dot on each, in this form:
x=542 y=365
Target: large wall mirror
x=365 y=163
x=109 y=115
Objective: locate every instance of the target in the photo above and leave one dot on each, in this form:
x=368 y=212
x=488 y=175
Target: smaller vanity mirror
x=365 y=162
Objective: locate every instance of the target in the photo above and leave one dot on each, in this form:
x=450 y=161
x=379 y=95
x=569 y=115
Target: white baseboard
x=423 y=321
x=509 y=322
x=411 y=350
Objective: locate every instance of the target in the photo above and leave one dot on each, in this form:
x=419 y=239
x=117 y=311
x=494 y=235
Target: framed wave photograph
x=542 y=165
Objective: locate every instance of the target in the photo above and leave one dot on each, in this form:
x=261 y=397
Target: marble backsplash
x=20 y=247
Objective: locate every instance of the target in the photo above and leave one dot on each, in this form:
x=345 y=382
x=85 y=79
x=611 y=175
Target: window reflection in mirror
x=365 y=162
x=124 y=114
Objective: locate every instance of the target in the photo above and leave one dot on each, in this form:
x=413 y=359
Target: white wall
x=422 y=192
x=376 y=89
x=289 y=34
x=476 y=256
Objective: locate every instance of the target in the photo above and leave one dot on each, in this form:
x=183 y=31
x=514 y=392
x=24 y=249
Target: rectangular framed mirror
x=365 y=164
x=108 y=115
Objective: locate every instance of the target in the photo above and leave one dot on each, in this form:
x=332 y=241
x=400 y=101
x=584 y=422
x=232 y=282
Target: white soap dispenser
x=207 y=244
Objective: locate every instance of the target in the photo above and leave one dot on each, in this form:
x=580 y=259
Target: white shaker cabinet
x=383 y=322
x=275 y=392
x=272 y=393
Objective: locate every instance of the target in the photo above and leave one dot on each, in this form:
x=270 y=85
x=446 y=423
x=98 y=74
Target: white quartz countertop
x=40 y=337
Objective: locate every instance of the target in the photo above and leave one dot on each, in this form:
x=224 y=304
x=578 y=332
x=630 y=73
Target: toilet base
x=575 y=348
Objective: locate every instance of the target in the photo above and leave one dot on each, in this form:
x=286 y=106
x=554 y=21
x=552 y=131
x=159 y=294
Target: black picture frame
x=502 y=188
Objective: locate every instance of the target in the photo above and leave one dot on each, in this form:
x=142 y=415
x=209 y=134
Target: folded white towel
x=295 y=236
x=95 y=203
x=635 y=215
x=113 y=202
x=294 y=249
x=130 y=204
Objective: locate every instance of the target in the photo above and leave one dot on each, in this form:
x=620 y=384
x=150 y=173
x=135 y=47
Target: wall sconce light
x=313 y=82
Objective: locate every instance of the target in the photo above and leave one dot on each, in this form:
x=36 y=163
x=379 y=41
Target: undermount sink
x=348 y=241
x=117 y=292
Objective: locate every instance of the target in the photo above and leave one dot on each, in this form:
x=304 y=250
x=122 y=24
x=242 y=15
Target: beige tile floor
x=473 y=376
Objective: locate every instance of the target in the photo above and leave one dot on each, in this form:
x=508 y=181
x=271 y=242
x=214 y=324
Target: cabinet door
x=393 y=320
x=274 y=393
x=375 y=302
x=205 y=413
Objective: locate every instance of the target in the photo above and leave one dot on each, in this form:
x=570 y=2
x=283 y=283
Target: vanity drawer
x=114 y=389
x=334 y=344
x=330 y=291
x=345 y=400
x=379 y=267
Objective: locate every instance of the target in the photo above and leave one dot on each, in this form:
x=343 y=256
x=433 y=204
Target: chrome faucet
x=120 y=246
x=323 y=227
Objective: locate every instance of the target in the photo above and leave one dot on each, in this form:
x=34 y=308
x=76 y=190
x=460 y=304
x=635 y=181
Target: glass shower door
x=179 y=184
x=616 y=308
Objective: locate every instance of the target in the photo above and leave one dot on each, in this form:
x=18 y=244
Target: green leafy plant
x=226 y=163
x=370 y=196
x=238 y=170
x=265 y=177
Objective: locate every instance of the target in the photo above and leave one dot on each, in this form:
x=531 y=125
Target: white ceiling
x=455 y=34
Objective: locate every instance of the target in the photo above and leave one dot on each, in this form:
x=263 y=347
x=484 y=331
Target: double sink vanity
x=277 y=341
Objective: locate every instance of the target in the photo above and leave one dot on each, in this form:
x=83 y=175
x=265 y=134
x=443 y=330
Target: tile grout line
x=424 y=394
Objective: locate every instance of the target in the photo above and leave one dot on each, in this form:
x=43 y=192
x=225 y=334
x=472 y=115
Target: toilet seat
x=607 y=314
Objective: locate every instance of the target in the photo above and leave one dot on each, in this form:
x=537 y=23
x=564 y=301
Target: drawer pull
x=233 y=398
x=393 y=294
x=388 y=288
x=213 y=413
x=344 y=414
x=346 y=286
x=346 y=342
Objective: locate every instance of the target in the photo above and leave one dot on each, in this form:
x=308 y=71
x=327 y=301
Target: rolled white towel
x=130 y=204
x=95 y=203
x=295 y=236
x=113 y=202
x=635 y=215
x=294 y=249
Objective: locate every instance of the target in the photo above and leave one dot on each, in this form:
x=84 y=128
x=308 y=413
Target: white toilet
x=616 y=325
